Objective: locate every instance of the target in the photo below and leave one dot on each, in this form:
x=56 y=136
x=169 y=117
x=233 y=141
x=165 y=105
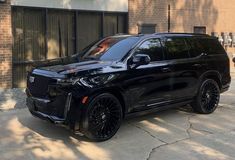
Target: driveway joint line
x=166 y=144
x=191 y=127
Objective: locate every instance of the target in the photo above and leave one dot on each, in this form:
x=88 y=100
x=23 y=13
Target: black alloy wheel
x=208 y=97
x=103 y=118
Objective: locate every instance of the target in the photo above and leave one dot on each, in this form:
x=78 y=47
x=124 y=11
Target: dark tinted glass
x=152 y=48
x=120 y=49
x=211 y=46
x=112 y=48
x=196 y=48
x=176 y=48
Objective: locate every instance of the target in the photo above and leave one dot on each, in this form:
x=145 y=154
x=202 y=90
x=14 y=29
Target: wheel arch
x=115 y=91
x=214 y=75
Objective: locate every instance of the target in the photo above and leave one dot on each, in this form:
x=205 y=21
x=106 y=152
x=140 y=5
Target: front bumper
x=47 y=110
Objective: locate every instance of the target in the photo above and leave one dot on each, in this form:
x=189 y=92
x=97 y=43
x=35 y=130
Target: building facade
x=213 y=17
x=32 y=31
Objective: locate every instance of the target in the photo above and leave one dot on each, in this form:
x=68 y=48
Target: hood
x=85 y=68
x=77 y=67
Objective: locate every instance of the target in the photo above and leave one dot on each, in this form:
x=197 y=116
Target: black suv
x=125 y=75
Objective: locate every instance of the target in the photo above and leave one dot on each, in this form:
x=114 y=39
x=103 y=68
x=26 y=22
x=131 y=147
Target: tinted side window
x=196 y=48
x=176 y=48
x=151 y=47
x=211 y=46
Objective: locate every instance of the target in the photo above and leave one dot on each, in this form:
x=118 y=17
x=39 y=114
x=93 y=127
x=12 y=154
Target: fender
x=116 y=91
x=213 y=74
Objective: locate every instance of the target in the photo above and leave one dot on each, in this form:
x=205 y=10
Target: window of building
x=153 y=48
x=176 y=48
x=200 y=29
x=147 y=28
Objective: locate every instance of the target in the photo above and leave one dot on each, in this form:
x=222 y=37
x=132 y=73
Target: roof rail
x=180 y=33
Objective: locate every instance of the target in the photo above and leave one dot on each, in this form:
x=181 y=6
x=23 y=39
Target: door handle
x=204 y=54
x=166 y=70
x=197 y=65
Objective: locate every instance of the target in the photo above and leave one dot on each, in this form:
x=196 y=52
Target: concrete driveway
x=176 y=134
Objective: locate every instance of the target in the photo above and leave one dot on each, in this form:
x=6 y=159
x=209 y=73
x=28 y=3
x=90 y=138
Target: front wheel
x=208 y=97
x=103 y=117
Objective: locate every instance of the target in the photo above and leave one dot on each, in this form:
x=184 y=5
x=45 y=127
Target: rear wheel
x=103 y=117
x=207 y=98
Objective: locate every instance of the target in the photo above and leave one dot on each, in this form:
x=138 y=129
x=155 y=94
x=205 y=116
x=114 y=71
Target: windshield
x=110 y=49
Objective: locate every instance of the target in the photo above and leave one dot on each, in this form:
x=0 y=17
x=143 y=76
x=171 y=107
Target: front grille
x=39 y=86
x=54 y=108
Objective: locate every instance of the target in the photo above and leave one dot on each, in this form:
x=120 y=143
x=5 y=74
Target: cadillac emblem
x=31 y=79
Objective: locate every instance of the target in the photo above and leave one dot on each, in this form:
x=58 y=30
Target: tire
x=102 y=118
x=208 y=97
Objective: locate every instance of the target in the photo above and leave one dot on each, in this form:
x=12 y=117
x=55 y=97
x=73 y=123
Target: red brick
x=5 y=46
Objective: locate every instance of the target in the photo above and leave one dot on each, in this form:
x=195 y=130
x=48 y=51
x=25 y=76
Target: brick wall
x=5 y=45
x=216 y=15
x=147 y=11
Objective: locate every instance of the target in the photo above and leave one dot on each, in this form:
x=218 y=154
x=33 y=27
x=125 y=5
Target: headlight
x=86 y=81
x=73 y=81
x=64 y=82
x=93 y=81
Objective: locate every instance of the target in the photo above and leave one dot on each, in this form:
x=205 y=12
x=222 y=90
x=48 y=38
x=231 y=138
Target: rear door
x=198 y=60
x=184 y=74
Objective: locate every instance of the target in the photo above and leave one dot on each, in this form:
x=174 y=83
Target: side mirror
x=139 y=60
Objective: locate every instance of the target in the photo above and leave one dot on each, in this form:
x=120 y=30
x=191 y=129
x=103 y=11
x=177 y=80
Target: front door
x=149 y=85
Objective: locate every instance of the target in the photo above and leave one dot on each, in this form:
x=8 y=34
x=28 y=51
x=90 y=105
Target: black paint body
x=55 y=91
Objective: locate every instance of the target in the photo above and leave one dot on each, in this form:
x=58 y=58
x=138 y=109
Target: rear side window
x=151 y=47
x=211 y=46
x=195 y=47
x=176 y=48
